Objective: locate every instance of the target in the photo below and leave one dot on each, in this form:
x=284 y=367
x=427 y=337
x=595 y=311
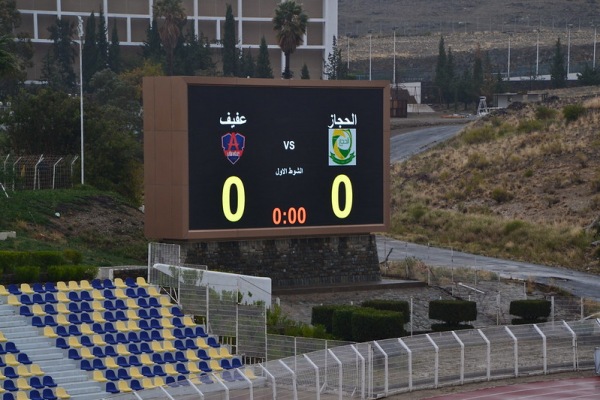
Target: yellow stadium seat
x=98 y=340
x=120 y=294
x=147 y=383
x=122 y=350
x=118 y=282
x=165 y=302
x=152 y=291
x=97 y=317
x=22 y=384
x=62 y=297
x=132 y=315
x=13 y=300
x=159 y=381
x=87 y=354
x=36 y=370
x=168 y=346
x=146 y=360
x=214 y=353
x=155 y=346
x=85 y=285
x=23 y=371
x=3 y=291
x=167 y=335
x=86 y=330
x=215 y=366
x=193 y=368
x=74 y=286
x=25 y=288
x=97 y=306
x=36 y=309
x=124 y=387
x=141 y=281
x=249 y=373
x=62 y=286
x=200 y=342
x=111 y=363
x=189 y=322
x=195 y=380
x=49 y=332
x=166 y=323
x=164 y=311
x=170 y=369
x=98 y=296
x=133 y=326
x=135 y=373
x=61 y=308
x=10 y=359
x=121 y=326
x=98 y=376
x=21 y=395
x=61 y=393
x=224 y=352
x=74 y=342
x=2 y=337
x=191 y=355
x=62 y=320
x=131 y=304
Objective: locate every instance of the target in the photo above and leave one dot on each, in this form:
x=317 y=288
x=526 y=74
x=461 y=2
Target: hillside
x=103 y=227
x=523 y=183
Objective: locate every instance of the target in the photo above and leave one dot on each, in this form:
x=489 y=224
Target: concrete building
x=132 y=18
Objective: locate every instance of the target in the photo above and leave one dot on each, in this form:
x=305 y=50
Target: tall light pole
x=508 y=62
x=370 y=62
x=80 y=32
x=594 y=60
x=394 y=76
x=537 y=53
x=348 y=39
x=569 y=26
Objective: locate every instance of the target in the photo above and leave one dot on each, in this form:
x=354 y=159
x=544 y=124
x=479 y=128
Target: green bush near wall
x=323 y=315
x=389 y=305
x=369 y=324
x=453 y=312
x=44 y=266
x=342 y=322
x=530 y=311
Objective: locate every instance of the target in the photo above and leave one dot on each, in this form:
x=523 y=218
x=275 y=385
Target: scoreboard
x=270 y=158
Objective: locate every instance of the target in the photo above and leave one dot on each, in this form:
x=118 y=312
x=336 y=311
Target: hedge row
x=530 y=311
x=55 y=273
x=10 y=260
x=453 y=312
x=389 y=305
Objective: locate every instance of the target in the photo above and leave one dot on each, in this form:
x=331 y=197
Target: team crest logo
x=233 y=144
x=342 y=147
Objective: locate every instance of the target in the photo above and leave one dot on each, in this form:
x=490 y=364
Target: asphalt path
x=405 y=145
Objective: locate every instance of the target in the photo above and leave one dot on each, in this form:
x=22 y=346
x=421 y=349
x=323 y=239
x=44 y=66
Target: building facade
x=132 y=18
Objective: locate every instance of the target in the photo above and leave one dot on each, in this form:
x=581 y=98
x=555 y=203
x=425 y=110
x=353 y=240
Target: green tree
x=10 y=17
x=451 y=84
x=478 y=76
x=558 y=73
x=440 y=79
x=193 y=55
x=230 y=52
x=304 y=74
x=589 y=76
x=114 y=51
x=16 y=51
x=9 y=62
x=58 y=64
x=152 y=49
x=89 y=58
x=289 y=23
x=171 y=17
x=335 y=68
x=263 y=62
x=102 y=42
x=248 y=65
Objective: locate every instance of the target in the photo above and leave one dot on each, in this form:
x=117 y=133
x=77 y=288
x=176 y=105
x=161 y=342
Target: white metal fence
x=34 y=172
x=391 y=366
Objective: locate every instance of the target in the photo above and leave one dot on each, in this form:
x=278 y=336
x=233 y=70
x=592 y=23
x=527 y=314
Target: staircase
x=52 y=360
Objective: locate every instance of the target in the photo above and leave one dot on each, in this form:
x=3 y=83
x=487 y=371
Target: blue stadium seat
x=50 y=321
x=134 y=349
x=190 y=332
x=110 y=351
x=98 y=328
x=169 y=358
x=97 y=363
x=109 y=316
x=86 y=307
x=179 y=333
x=25 y=311
x=35 y=382
x=109 y=305
x=155 y=335
x=143 y=303
x=131 y=293
x=171 y=381
x=108 y=284
x=203 y=365
x=203 y=354
x=131 y=282
x=122 y=362
x=74 y=354
x=38 y=288
x=120 y=304
x=182 y=369
x=133 y=337
x=111 y=388
x=153 y=302
x=48 y=394
x=86 y=341
x=11 y=347
x=74 y=307
x=85 y=317
x=111 y=375
x=38 y=298
x=145 y=347
x=74 y=330
x=49 y=297
x=49 y=287
x=34 y=394
x=110 y=338
x=98 y=352
x=142 y=292
x=143 y=314
x=134 y=361
x=176 y=311
x=157 y=370
x=147 y=371
x=120 y=316
x=8 y=396
x=225 y=363
x=191 y=344
x=97 y=284
x=108 y=294
x=50 y=309
x=14 y=289
x=10 y=373
x=109 y=327
x=157 y=359
x=136 y=385
x=48 y=381
x=25 y=299
x=177 y=322
x=122 y=338
x=37 y=321
x=10 y=385
x=61 y=343
x=155 y=324
x=73 y=296
x=154 y=313
x=84 y=295
x=180 y=356
x=179 y=345
x=236 y=362
x=74 y=319
x=122 y=374
x=212 y=342
x=86 y=365
x=227 y=376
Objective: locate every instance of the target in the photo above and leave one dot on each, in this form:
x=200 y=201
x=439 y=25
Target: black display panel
x=285 y=157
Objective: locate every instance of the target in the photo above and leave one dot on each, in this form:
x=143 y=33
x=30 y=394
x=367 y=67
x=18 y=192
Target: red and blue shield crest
x=233 y=144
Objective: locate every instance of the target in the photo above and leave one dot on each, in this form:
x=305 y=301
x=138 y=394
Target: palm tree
x=173 y=18
x=290 y=24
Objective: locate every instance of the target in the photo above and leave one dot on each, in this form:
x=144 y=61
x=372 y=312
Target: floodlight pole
x=80 y=31
x=569 y=49
x=394 y=76
x=508 y=63
x=594 y=60
x=370 y=62
x=537 y=53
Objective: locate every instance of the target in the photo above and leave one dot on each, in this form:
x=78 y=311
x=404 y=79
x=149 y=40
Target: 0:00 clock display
x=292 y=216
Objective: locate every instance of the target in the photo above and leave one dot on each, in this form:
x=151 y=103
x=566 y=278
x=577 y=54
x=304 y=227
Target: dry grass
x=513 y=186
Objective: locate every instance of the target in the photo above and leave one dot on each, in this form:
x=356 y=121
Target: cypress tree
x=304 y=74
x=114 y=51
x=90 y=51
x=558 y=73
x=263 y=63
x=102 y=42
x=152 y=49
x=230 y=51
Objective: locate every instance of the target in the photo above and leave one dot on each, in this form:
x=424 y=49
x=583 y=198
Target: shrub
x=389 y=305
x=501 y=195
x=370 y=324
x=453 y=312
x=477 y=160
x=27 y=274
x=72 y=256
x=323 y=315
x=529 y=125
x=572 y=112
x=342 y=322
x=46 y=258
x=530 y=309
x=545 y=113
x=478 y=135
x=67 y=273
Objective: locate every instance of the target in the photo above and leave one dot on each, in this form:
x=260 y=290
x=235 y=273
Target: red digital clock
x=292 y=216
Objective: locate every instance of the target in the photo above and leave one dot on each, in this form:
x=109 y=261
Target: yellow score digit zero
x=335 y=196
x=241 y=198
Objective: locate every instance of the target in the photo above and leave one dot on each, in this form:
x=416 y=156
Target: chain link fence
x=35 y=172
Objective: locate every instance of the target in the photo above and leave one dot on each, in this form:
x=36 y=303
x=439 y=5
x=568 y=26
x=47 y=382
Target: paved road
x=407 y=144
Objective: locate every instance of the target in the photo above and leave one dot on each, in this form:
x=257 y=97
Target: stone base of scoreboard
x=292 y=262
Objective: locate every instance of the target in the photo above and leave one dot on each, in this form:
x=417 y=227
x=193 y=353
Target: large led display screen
x=286 y=158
